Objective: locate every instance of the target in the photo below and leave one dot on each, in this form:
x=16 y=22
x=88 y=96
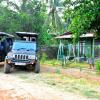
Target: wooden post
x=69 y=46
x=59 y=51
x=78 y=50
x=68 y=49
x=93 y=44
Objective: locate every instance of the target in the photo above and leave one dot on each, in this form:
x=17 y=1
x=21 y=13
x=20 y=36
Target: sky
x=16 y=1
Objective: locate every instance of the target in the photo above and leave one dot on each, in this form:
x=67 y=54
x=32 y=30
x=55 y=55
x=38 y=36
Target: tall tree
x=83 y=16
x=27 y=15
x=53 y=20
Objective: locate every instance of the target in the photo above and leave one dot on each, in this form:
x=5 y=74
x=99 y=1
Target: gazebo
x=87 y=46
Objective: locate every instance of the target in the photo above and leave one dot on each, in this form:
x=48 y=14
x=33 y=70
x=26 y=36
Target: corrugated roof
x=69 y=35
x=66 y=33
x=87 y=35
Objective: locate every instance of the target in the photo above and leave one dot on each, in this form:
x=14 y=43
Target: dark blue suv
x=23 y=53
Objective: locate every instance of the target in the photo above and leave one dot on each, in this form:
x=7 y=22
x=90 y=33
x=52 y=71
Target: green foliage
x=8 y=22
x=98 y=65
x=82 y=16
x=52 y=62
x=44 y=57
x=29 y=16
x=45 y=37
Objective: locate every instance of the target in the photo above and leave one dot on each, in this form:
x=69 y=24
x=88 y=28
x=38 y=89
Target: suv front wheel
x=6 y=67
x=37 y=67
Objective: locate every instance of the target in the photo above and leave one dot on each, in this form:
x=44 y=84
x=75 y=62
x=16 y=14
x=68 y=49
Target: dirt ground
x=14 y=88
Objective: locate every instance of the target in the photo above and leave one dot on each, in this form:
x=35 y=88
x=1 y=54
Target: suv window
x=24 y=45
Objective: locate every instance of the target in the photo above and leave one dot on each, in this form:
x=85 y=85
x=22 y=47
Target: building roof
x=69 y=35
x=87 y=35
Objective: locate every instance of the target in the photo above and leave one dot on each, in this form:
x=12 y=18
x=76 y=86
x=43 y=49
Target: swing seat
x=69 y=58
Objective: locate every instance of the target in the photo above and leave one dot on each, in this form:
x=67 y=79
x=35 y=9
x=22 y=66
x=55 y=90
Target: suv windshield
x=19 y=45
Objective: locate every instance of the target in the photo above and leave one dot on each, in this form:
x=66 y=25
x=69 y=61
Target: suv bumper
x=20 y=63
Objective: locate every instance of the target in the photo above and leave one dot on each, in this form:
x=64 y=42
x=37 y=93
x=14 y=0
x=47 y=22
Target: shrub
x=98 y=65
x=44 y=57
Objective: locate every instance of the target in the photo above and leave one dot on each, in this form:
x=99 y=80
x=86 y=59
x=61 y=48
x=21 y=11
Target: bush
x=44 y=57
x=98 y=65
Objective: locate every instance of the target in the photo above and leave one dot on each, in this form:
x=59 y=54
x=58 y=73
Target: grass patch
x=78 y=65
x=57 y=63
x=66 y=83
x=53 y=63
x=98 y=73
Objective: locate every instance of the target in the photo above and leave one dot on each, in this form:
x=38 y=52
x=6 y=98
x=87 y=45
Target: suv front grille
x=21 y=57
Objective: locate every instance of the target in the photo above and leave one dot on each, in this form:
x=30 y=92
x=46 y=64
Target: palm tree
x=53 y=20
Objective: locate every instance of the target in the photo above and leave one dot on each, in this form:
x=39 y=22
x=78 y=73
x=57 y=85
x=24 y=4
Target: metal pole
x=93 y=48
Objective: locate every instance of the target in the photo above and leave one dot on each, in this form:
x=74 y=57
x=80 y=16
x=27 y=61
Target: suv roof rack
x=28 y=34
x=6 y=34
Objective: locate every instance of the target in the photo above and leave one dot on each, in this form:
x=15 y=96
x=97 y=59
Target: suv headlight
x=31 y=56
x=10 y=55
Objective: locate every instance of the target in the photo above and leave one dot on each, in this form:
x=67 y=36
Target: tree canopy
x=82 y=16
x=28 y=15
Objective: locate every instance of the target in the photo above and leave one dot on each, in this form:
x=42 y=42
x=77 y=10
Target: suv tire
x=6 y=68
x=37 y=67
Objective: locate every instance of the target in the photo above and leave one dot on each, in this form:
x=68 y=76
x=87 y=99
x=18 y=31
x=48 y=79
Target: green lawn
x=56 y=63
